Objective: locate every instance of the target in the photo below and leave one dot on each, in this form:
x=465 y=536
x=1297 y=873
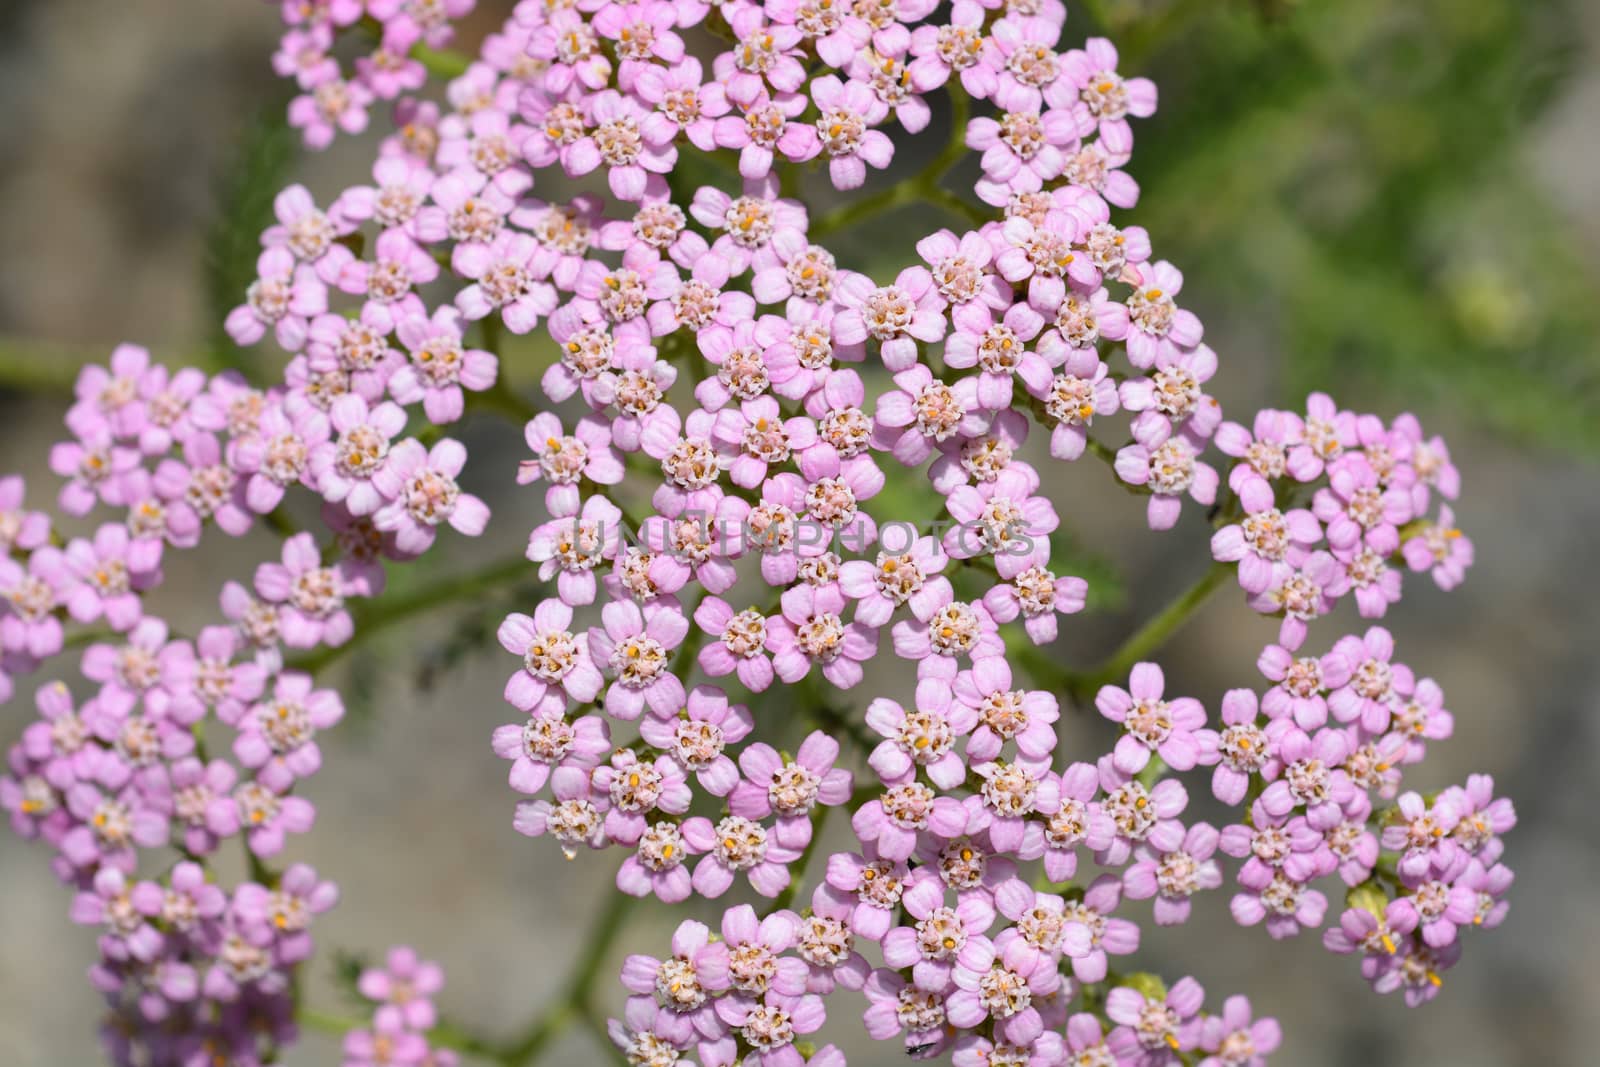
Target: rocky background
x=1398 y=206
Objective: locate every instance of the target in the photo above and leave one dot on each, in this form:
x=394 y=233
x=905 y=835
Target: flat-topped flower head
x=726 y=495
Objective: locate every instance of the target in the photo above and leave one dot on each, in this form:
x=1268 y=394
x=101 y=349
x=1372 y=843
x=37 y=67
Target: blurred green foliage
x=261 y=165
x=1350 y=180
x=1349 y=185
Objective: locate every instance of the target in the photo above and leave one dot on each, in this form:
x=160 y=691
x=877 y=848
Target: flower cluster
x=747 y=986
x=750 y=993
x=334 y=101
x=187 y=743
x=403 y=990
x=723 y=411
x=1370 y=488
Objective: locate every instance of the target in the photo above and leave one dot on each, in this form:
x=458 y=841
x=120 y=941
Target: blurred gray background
x=1427 y=185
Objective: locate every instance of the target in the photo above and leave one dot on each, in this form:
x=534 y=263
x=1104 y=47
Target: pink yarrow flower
x=1171 y=729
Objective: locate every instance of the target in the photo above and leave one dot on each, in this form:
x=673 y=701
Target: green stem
x=441 y=62
x=579 y=986
x=684 y=660
x=574 y=1006
x=1153 y=634
x=595 y=1023
x=956 y=147
x=279 y=523
x=501 y=399
x=451 y=1036
x=901 y=194
x=326 y=1022
x=1042 y=665
x=956 y=206
x=86 y=637
x=835 y=721
x=382 y=615
x=1102 y=452
x=260 y=873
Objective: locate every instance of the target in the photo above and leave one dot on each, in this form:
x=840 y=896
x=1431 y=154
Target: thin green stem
x=899 y=194
x=1102 y=452
x=326 y=1022
x=279 y=523
x=501 y=399
x=1153 y=634
x=441 y=62
x=378 y=617
x=86 y=637
x=956 y=147
x=1042 y=665
x=595 y=1023
x=574 y=1006
x=683 y=661
x=579 y=986
x=833 y=720
x=260 y=873
x=490 y=326
x=954 y=204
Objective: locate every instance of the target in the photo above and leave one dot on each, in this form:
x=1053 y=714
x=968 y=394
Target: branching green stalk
x=441 y=62
x=1153 y=634
x=326 y=1022
x=501 y=399
x=684 y=659
x=835 y=721
x=1102 y=452
x=574 y=1006
x=390 y=611
x=579 y=987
